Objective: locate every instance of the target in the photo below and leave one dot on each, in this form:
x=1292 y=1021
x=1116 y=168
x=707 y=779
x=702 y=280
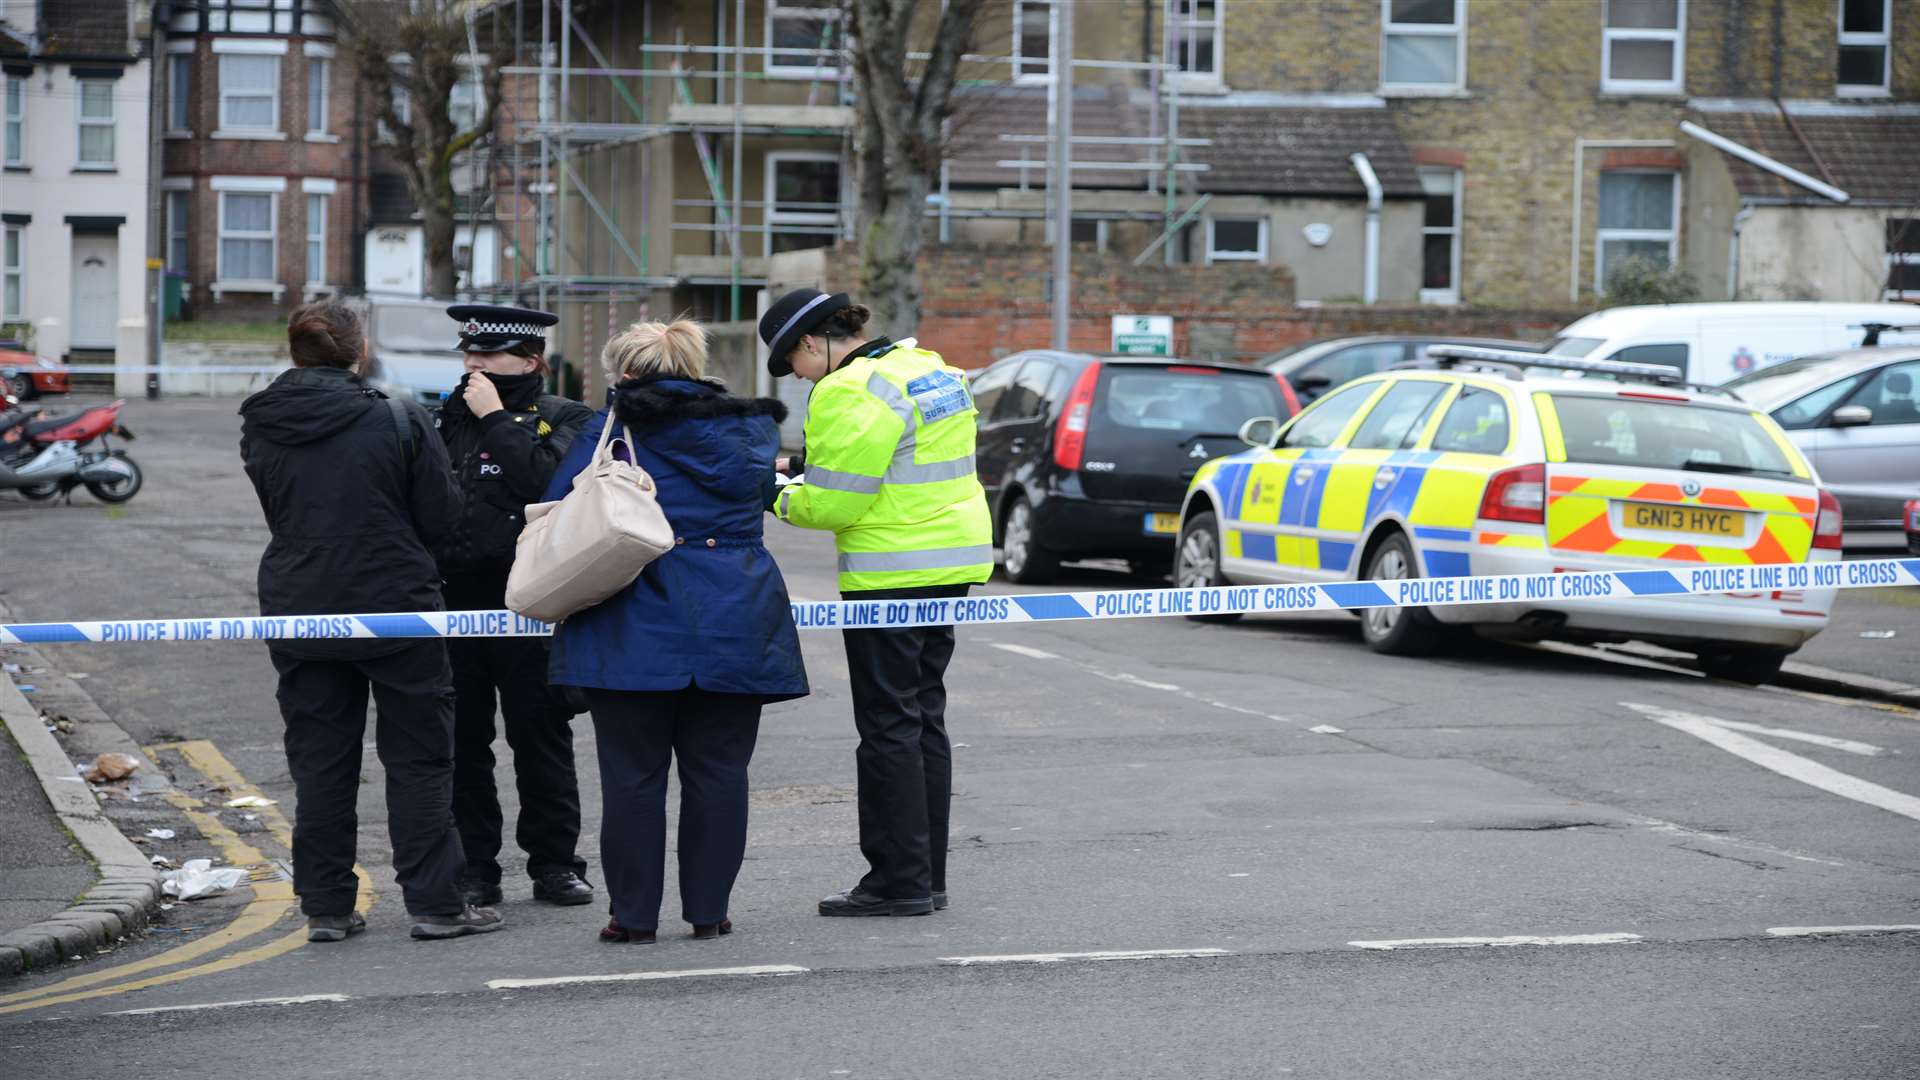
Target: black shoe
x=477 y=893
x=563 y=888
x=858 y=901
x=940 y=901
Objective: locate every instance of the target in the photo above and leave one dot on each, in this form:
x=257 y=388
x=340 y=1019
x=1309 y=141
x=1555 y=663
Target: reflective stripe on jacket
x=890 y=472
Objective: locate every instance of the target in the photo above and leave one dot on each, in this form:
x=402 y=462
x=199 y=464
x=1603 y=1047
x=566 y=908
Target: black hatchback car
x=1087 y=457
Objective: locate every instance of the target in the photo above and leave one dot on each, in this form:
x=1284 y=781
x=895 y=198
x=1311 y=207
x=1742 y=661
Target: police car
x=1492 y=461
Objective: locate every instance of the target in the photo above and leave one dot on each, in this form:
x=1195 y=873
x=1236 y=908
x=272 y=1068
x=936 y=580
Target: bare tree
x=409 y=56
x=897 y=143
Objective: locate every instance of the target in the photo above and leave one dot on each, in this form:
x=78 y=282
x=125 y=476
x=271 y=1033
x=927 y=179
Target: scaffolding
x=570 y=110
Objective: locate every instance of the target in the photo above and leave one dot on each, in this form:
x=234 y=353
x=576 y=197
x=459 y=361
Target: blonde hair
x=678 y=349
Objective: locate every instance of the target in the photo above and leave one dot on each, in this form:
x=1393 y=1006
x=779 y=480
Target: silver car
x=1856 y=414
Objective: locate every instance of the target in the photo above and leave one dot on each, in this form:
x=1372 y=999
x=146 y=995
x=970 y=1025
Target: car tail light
x=1070 y=437
x=1913 y=515
x=1286 y=392
x=1828 y=528
x=1516 y=494
x=1643 y=395
x=1181 y=369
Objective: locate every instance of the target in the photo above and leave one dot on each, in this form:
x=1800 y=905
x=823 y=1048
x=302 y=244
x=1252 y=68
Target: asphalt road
x=1255 y=798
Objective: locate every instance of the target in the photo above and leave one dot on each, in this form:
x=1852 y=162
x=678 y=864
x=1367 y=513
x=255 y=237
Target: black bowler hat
x=496 y=328
x=792 y=317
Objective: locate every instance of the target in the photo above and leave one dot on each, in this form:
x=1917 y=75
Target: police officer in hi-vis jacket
x=889 y=471
x=505 y=436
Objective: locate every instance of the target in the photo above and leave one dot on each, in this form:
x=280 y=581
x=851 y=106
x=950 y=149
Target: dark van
x=1087 y=457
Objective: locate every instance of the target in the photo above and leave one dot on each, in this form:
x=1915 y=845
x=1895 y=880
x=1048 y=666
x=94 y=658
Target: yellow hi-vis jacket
x=890 y=471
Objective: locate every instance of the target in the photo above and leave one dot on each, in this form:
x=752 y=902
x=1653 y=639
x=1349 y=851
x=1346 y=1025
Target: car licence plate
x=1162 y=524
x=1698 y=520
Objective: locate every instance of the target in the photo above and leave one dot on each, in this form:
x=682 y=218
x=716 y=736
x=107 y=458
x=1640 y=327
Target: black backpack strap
x=403 y=425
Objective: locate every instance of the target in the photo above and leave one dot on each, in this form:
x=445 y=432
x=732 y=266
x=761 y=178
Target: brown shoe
x=615 y=934
x=709 y=931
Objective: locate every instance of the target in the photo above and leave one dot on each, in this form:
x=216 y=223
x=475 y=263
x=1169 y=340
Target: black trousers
x=324 y=704
x=904 y=763
x=637 y=735
x=539 y=732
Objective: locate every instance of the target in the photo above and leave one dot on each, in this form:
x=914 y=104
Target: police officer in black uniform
x=506 y=436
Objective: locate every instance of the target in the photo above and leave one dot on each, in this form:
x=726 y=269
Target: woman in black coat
x=356 y=489
x=505 y=436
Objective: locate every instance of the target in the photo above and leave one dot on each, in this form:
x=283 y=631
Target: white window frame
x=322 y=67
x=255 y=185
x=776 y=11
x=179 y=104
x=14 y=107
x=179 y=215
x=1449 y=295
x=16 y=272
x=1457 y=30
x=229 y=130
x=316 y=238
x=1042 y=78
x=1214 y=256
x=796 y=217
x=1670 y=234
x=1678 y=36
x=1196 y=80
x=1883 y=39
x=82 y=122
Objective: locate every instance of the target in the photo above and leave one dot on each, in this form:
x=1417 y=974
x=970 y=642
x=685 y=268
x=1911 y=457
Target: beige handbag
x=578 y=551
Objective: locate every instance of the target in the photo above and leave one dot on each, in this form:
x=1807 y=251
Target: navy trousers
x=637 y=735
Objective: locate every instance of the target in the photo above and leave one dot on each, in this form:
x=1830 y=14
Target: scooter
x=44 y=458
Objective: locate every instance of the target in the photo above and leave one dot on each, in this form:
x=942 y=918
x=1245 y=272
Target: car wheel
x=20 y=385
x=1021 y=556
x=1750 y=666
x=1409 y=631
x=1196 y=561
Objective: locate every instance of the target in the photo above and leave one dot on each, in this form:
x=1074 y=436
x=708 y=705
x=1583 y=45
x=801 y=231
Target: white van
x=1712 y=343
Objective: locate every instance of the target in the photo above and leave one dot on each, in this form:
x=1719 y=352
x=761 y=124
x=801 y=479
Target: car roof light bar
x=1656 y=373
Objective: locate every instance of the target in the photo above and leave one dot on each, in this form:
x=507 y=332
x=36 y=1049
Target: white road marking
x=1792 y=766
x=1022 y=650
x=307 y=999
x=1063 y=957
x=1497 y=942
x=645 y=976
x=1135 y=680
x=1327 y=729
x=1828 y=741
x=1830 y=931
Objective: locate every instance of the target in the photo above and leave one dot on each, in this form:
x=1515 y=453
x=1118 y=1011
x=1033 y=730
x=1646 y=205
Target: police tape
x=1779 y=583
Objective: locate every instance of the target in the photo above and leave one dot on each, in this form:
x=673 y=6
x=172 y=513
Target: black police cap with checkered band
x=494 y=327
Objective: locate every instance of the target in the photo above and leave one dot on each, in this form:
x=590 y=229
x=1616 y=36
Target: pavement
x=1178 y=849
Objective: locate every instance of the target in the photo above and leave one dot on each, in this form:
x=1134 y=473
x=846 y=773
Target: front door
x=96 y=290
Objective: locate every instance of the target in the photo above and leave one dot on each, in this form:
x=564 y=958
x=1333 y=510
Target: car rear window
x=1661 y=435
x=1216 y=402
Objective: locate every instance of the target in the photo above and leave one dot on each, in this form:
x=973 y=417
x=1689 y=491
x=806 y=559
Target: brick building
x=264 y=150
x=73 y=193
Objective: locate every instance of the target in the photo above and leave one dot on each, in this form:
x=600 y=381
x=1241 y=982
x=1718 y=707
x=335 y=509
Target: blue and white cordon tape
x=1003 y=609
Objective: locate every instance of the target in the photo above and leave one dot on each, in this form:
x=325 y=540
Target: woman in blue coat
x=680 y=663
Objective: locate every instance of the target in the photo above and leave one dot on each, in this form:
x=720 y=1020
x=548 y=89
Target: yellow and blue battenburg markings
x=1623 y=586
x=1303 y=492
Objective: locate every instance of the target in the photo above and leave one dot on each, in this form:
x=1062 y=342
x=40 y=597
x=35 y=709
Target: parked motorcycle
x=41 y=458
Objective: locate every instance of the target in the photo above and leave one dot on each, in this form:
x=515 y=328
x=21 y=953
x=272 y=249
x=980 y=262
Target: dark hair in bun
x=845 y=323
x=326 y=334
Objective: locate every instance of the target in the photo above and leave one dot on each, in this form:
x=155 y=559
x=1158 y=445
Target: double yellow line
x=272 y=898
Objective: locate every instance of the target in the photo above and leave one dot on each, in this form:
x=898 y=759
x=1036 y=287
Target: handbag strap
x=602 y=453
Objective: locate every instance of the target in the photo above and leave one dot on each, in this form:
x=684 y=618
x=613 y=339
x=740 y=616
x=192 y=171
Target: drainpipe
x=1370 y=290
x=1733 y=251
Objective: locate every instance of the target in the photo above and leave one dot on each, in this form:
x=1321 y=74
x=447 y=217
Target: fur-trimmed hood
x=654 y=401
